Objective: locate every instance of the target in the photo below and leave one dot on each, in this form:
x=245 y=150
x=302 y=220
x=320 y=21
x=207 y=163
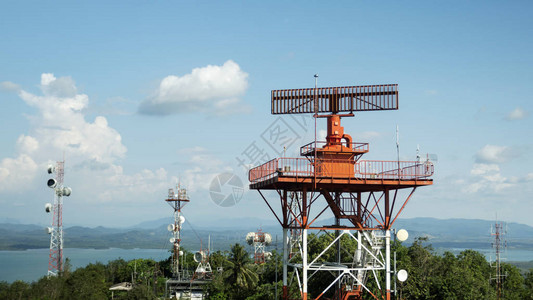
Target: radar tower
x=367 y=195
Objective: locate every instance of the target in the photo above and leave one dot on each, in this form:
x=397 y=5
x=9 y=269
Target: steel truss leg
x=285 y=261
x=304 y=264
x=387 y=262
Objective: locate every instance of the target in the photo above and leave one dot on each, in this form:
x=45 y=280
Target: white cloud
x=59 y=87
x=59 y=127
x=206 y=168
x=60 y=124
x=486 y=173
x=494 y=154
x=488 y=179
x=482 y=169
x=9 y=86
x=517 y=114
x=17 y=173
x=211 y=89
x=27 y=144
x=119 y=187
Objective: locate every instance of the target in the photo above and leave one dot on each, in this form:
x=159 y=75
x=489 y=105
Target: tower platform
x=360 y=176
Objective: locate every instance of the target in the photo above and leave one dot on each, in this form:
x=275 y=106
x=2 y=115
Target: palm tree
x=240 y=273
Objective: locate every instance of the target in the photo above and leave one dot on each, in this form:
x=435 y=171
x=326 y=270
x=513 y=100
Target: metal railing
x=363 y=169
x=309 y=148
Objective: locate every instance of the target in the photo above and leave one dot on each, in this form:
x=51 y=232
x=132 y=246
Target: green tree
x=117 y=271
x=513 y=282
x=87 y=283
x=240 y=273
x=17 y=290
x=528 y=285
x=48 y=288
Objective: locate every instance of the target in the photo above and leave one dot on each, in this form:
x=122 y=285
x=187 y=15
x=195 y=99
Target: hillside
x=450 y=233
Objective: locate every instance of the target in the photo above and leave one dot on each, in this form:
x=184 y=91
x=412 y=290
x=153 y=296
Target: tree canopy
x=431 y=276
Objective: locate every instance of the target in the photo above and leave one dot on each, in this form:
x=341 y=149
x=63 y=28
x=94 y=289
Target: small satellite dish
x=402 y=275
x=199 y=256
x=51 y=183
x=402 y=235
x=66 y=191
x=268 y=239
x=250 y=238
x=48 y=207
x=171 y=227
x=51 y=169
x=172 y=240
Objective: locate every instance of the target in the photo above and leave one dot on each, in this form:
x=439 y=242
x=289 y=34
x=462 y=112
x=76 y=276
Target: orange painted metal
x=362 y=191
x=335 y=99
x=328 y=170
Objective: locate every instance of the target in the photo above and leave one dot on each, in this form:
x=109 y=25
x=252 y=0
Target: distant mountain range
x=450 y=233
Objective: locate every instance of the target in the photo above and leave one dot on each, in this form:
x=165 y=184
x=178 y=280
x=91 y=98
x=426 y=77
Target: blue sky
x=139 y=94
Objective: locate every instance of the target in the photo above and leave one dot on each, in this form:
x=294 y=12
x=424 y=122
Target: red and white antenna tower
x=55 y=261
x=177 y=199
x=498 y=245
x=330 y=176
x=259 y=240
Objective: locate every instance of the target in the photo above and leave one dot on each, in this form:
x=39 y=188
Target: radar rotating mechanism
x=226 y=189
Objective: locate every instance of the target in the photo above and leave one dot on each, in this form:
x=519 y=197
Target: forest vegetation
x=431 y=276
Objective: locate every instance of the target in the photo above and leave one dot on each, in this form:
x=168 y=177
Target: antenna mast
x=55 y=260
x=498 y=245
x=177 y=199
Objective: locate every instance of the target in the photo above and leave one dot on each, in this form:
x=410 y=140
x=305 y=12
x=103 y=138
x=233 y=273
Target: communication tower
x=182 y=284
x=259 y=240
x=498 y=245
x=55 y=260
x=330 y=175
x=177 y=199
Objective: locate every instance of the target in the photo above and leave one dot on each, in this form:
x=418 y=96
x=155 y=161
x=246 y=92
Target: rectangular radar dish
x=335 y=99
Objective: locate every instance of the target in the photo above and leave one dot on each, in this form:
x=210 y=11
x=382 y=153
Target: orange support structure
x=365 y=193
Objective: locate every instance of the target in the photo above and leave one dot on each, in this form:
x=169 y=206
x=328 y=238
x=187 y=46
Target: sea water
x=30 y=265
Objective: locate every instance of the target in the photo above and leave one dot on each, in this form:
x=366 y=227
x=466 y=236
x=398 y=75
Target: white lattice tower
x=177 y=200
x=55 y=260
x=498 y=245
x=295 y=235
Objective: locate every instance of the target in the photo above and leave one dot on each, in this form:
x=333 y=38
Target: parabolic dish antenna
x=250 y=238
x=402 y=275
x=199 y=256
x=268 y=239
x=51 y=183
x=402 y=235
x=170 y=227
